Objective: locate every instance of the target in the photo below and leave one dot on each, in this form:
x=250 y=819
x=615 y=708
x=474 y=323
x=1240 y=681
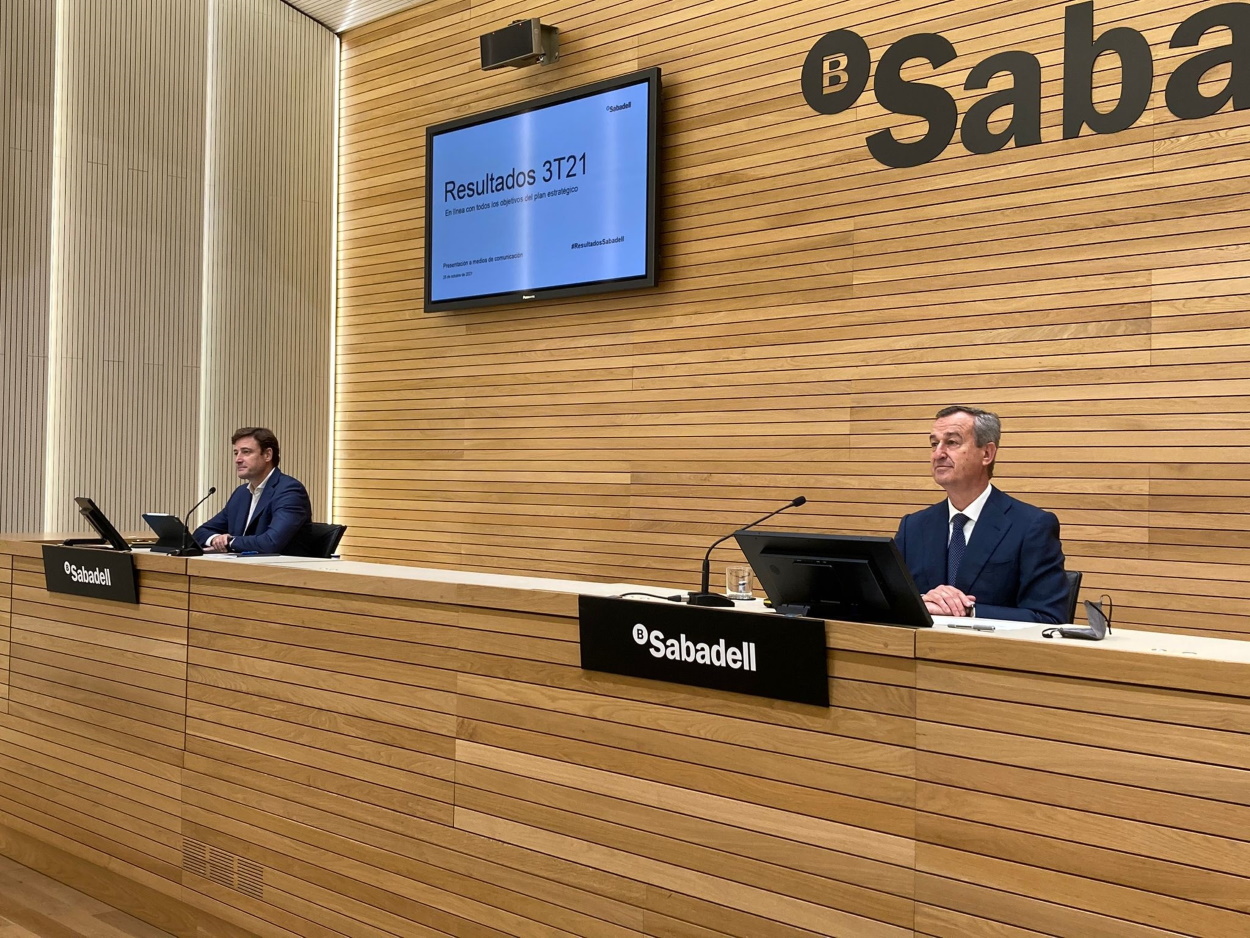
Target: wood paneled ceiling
x=341 y=15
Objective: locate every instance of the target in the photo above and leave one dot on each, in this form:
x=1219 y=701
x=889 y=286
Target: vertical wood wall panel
x=126 y=288
x=173 y=182
x=269 y=250
x=816 y=308
x=27 y=42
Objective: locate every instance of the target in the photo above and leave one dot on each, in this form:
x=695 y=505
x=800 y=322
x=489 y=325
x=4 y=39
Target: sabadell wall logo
x=836 y=73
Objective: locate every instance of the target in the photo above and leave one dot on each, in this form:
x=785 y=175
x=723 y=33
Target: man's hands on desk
x=218 y=544
x=947 y=601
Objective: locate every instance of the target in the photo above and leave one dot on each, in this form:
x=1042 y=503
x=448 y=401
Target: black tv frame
x=852 y=577
x=100 y=523
x=650 y=75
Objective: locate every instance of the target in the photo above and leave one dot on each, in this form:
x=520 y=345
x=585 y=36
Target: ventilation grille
x=225 y=869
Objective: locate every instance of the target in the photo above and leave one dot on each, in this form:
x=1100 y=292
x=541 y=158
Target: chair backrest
x=316 y=539
x=1074 y=589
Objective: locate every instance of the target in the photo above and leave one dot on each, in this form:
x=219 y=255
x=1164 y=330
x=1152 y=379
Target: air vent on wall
x=225 y=869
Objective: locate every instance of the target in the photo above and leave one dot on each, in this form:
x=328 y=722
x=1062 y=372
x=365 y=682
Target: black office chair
x=316 y=539
x=1074 y=588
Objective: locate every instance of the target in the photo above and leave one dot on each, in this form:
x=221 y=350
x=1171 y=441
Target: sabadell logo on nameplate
x=82 y=571
x=749 y=653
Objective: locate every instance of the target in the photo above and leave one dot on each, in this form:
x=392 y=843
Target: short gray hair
x=986 y=427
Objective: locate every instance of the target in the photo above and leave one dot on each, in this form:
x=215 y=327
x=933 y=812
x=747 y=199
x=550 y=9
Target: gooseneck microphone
x=189 y=548
x=707 y=598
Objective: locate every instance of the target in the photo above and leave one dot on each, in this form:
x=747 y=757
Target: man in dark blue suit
x=981 y=551
x=263 y=514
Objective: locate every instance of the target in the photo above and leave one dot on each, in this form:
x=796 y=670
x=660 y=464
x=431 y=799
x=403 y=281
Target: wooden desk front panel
x=378 y=756
x=431 y=768
x=93 y=736
x=6 y=598
x=1068 y=806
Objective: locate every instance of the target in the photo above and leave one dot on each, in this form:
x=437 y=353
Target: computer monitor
x=95 y=517
x=855 y=578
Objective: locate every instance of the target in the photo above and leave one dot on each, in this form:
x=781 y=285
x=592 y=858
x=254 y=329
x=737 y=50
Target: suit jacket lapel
x=266 y=496
x=236 y=508
x=986 y=535
x=933 y=544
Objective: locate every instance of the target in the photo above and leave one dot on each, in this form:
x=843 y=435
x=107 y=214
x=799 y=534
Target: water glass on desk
x=738 y=581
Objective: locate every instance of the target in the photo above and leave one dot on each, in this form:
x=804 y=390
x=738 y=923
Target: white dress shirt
x=972 y=512
x=255 y=490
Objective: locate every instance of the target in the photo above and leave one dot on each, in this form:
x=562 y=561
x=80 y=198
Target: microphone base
x=710 y=599
x=191 y=551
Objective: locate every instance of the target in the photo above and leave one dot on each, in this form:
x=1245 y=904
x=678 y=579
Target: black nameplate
x=750 y=653
x=100 y=574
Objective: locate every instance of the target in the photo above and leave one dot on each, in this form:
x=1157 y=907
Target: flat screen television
x=855 y=578
x=550 y=197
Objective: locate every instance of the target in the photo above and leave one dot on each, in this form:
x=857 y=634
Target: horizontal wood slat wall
x=816 y=309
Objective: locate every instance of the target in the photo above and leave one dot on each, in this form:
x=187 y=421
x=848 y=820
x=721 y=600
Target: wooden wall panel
x=127 y=191
x=268 y=240
x=166 y=201
x=816 y=308
x=27 y=52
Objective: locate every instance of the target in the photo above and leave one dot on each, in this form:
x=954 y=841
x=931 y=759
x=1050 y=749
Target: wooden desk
x=328 y=748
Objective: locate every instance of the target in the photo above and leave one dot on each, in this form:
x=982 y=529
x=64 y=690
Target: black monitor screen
x=854 y=578
x=95 y=517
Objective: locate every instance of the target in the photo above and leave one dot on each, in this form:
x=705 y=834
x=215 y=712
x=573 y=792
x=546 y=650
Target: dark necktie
x=955 y=549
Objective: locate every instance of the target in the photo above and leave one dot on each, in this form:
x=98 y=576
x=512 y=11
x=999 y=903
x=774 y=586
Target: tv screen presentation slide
x=551 y=197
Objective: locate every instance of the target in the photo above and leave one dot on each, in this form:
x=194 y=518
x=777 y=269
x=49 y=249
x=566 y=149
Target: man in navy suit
x=263 y=514
x=981 y=549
